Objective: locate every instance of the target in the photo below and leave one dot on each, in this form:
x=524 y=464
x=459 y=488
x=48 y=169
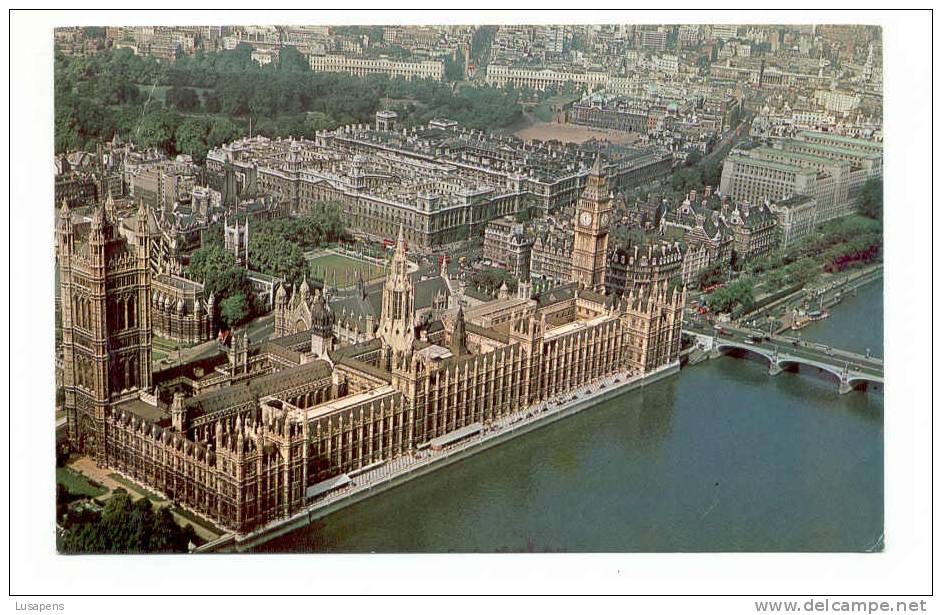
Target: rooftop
x=139 y=408
x=342 y=403
x=814 y=134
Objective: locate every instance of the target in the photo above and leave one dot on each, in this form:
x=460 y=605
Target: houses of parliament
x=247 y=435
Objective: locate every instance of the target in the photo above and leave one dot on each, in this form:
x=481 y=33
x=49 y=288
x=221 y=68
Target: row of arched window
x=122 y=312
x=81 y=311
x=84 y=371
x=123 y=372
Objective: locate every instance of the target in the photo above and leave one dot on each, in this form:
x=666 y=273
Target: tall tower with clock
x=590 y=244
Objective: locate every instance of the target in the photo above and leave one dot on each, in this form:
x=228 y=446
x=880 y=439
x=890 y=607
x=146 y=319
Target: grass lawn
x=344 y=268
x=163 y=347
x=150 y=495
x=167 y=344
x=77 y=484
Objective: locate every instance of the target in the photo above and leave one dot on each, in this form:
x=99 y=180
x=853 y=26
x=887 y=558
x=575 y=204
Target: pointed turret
x=101 y=224
x=65 y=216
x=398 y=304
x=504 y=291
x=99 y=217
x=143 y=215
x=459 y=343
x=400 y=241
x=110 y=207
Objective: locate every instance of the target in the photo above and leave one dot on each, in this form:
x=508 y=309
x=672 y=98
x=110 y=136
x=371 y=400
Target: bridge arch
x=726 y=348
x=864 y=382
x=780 y=359
x=798 y=363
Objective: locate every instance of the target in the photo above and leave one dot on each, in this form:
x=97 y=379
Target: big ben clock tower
x=590 y=244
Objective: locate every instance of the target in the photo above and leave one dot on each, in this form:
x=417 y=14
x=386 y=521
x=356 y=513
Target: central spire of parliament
x=396 y=321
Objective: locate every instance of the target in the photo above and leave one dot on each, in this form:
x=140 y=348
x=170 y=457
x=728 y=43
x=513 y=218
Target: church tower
x=106 y=328
x=396 y=322
x=590 y=243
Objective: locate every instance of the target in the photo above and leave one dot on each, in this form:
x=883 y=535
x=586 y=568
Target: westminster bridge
x=850 y=370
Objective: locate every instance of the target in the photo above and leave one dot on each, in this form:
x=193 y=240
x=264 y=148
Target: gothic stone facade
x=106 y=328
x=181 y=312
x=300 y=410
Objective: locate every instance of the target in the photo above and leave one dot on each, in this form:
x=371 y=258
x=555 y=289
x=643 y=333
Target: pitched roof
x=269 y=384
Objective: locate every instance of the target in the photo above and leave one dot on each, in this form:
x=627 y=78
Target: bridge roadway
x=852 y=370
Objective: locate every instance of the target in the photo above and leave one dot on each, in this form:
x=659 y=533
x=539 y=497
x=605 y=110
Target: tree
x=113 y=90
x=184 y=99
x=292 y=60
x=775 y=280
x=802 y=271
x=191 y=138
x=234 y=310
x=376 y=35
x=222 y=277
x=490 y=279
x=454 y=69
x=223 y=130
x=725 y=299
x=871 y=199
x=290 y=125
x=212 y=102
x=315 y=121
x=686 y=179
x=274 y=255
x=126 y=526
x=711 y=173
x=157 y=129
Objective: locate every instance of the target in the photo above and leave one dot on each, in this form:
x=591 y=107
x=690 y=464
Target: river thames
x=721 y=457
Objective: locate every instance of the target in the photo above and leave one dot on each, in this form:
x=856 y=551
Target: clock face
x=585 y=219
x=604 y=220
